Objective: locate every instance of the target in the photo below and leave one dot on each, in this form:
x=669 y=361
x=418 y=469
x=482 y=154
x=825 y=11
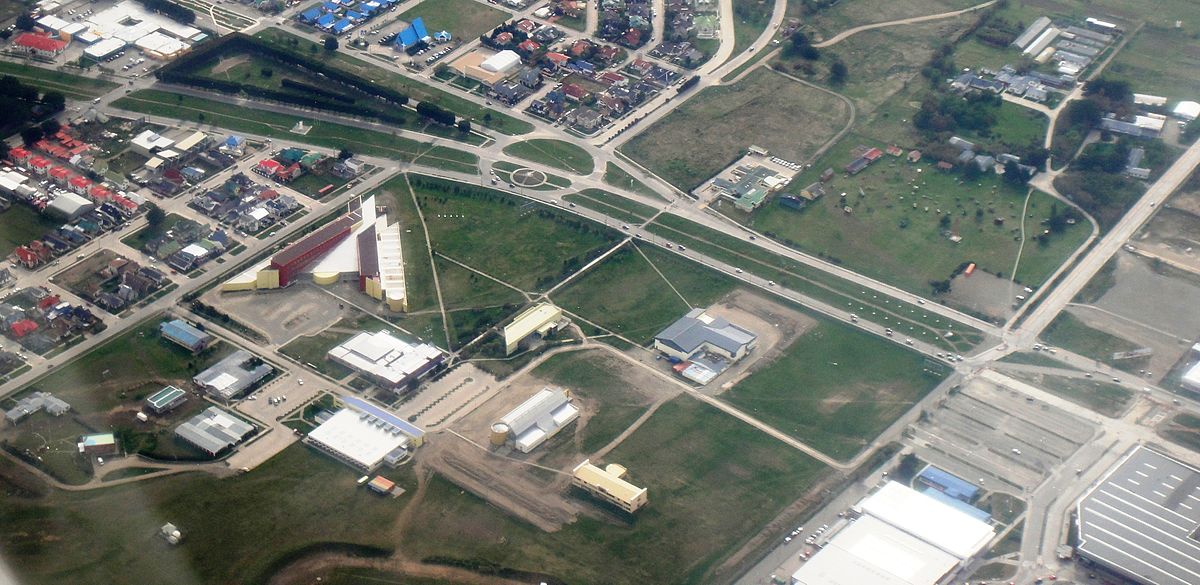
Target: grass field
x=895 y=232
x=311 y=349
x=72 y=86
x=526 y=244
x=553 y=153
x=910 y=319
x=1068 y=332
x=419 y=91
x=20 y=225
x=835 y=388
x=1154 y=58
x=626 y=295
x=716 y=126
x=711 y=478
x=271 y=124
x=1184 y=429
x=111 y=535
x=1016 y=127
x=612 y=205
x=617 y=177
x=465 y=19
x=593 y=376
x=851 y=13
x=473 y=302
x=750 y=18
x=138 y=240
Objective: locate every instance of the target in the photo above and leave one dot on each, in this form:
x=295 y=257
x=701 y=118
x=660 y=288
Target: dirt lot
x=984 y=293
x=1174 y=233
x=1167 y=349
x=81 y=278
x=301 y=309
x=775 y=325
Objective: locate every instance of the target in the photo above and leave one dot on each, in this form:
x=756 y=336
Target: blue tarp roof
x=311 y=14
x=352 y=15
x=327 y=20
x=235 y=140
x=418 y=25
x=959 y=505
x=407 y=38
x=442 y=35
x=949 y=484
x=330 y=6
x=342 y=25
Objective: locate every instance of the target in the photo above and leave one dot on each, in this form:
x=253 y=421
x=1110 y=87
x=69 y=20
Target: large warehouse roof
x=539 y=418
x=214 y=430
x=934 y=522
x=383 y=356
x=334 y=230
x=695 y=329
x=1141 y=520
x=356 y=437
x=871 y=551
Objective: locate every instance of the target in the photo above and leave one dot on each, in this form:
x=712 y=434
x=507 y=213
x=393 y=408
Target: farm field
x=835 y=388
x=465 y=19
x=713 y=128
x=1152 y=59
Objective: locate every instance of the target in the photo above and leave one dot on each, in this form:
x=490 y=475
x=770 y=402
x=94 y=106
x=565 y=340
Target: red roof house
x=267 y=167
x=124 y=202
x=285 y=174
x=60 y=175
x=19 y=154
x=22 y=328
x=574 y=91
x=558 y=59
x=80 y=185
x=99 y=194
x=41 y=45
x=39 y=165
x=503 y=38
x=27 y=257
x=606 y=53
x=48 y=302
x=610 y=77
x=526 y=26
x=873 y=154
x=529 y=46
x=581 y=46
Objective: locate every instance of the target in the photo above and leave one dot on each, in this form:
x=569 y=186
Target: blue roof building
x=342 y=26
x=311 y=14
x=330 y=7
x=327 y=21
x=442 y=36
x=959 y=505
x=948 y=484
x=417 y=433
x=407 y=38
x=418 y=25
x=355 y=16
x=185 y=335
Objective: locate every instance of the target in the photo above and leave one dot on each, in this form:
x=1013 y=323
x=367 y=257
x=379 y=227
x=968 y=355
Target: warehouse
x=934 y=522
x=1141 y=520
x=232 y=376
x=98 y=445
x=542 y=319
x=69 y=206
x=537 y=419
x=186 y=335
x=872 y=551
x=292 y=259
x=609 y=485
x=388 y=361
x=697 y=332
x=104 y=49
x=166 y=400
x=214 y=431
x=365 y=436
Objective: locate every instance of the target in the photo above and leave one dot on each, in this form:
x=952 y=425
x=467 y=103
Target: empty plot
x=554 y=153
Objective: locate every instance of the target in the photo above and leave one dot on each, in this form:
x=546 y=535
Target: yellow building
x=541 y=318
x=608 y=484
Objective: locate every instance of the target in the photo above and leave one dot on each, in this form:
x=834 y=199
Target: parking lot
x=998 y=438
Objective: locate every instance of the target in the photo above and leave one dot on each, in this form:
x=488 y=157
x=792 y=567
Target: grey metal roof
x=1142 y=519
x=689 y=333
x=229 y=378
x=214 y=430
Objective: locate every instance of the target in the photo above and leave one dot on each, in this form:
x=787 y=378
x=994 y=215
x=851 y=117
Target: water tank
x=499 y=434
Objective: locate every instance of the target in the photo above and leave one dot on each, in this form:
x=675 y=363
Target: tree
x=31 y=134
x=837 y=73
x=1014 y=174
x=50 y=126
x=155 y=216
x=971 y=171
x=344 y=153
x=940 y=287
x=26 y=22
x=266 y=72
x=3 y=149
x=331 y=43
x=464 y=126
x=54 y=100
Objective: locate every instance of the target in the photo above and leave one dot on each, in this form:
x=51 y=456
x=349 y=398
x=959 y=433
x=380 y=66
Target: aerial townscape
x=600 y=292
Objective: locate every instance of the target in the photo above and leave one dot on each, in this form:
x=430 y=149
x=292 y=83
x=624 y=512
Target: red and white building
x=40 y=45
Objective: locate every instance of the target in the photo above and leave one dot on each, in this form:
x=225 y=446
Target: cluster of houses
x=968 y=155
x=245 y=205
x=615 y=94
x=563 y=8
x=38 y=320
x=120 y=283
x=341 y=16
x=172 y=165
x=1032 y=85
x=187 y=245
x=625 y=22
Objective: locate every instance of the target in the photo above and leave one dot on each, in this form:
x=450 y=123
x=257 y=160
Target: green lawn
x=851 y=13
x=526 y=244
x=625 y=295
x=465 y=19
x=1016 y=127
x=553 y=153
x=504 y=171
x=617 y=177
x=750 y=18
x=612 y=205
x=901 y=214
x=138 y=240
x=473 y=302
x=234 y=529
x=1069 y=332
x=1103 y=397
x=270 y=124
x=311 y=349
x=419 y=91
x=1153 y=59
x=713 y=128
x=21 y=225
x=835 y=388
x=710 y=477
x=1183 y=429
x=72 y=86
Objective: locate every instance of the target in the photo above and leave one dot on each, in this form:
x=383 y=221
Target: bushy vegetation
x=22 y=105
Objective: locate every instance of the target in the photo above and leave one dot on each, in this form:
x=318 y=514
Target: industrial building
x=166 y=400
x=186 y=335
x=233 y=375
x=214 y=431
x=97 y=445
x=540 y=319
x=1141 y=520
x=1187 y=110
x=609 y=485
x=366 y=436
x=948 y=484
x=901 y=537
x=537 y=419
x=388 y=361
x=35 y=402
x=361 y=246
x=704 y=345
x=68 y=206
x=1191 y=377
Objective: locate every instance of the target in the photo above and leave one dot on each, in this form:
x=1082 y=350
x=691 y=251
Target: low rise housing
x=35 y=402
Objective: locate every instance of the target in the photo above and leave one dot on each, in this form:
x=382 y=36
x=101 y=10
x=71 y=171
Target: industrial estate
x=799 y=292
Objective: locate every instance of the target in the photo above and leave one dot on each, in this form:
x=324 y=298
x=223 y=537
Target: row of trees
x=22 y=105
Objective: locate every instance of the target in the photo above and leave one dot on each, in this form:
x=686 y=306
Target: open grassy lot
x=1103 y=397
x=72 y=86
x=715 y=127
x=851 y=13
x=750 y=18
x=20 y=225
x=835 y=388
x=526 y=244
x=907 y=318
x=617 y=177
x=234 y=529
x=901 y=216
x=1016 y=127
x=612 y=205
x=554 y=153
x=712 y=478
x=504 y=171
x=417 y=90
x=1155 y=59
x=593 y=376
x=626 y=295
x=473 y=302
x=137 y=240
x=311 y=349
x=465 y=19
x=1184 y=429
x=1068 y=332
x=271 y=124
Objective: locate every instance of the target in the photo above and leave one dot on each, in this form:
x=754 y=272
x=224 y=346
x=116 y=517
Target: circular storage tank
x=499 y=434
